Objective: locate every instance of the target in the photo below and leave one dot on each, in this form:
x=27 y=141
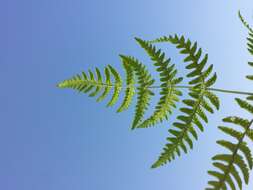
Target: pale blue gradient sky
x=57 y=139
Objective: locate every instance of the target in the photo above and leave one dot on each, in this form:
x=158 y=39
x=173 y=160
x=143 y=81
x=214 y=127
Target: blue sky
x=58 y=139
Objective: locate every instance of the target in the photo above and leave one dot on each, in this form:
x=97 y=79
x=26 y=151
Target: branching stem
x=223 y=90
x=179 y=86
x=215 y=89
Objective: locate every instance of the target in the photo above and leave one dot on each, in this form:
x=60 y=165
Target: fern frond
x=244 y=22
x=117 y=86
x=169 y=93
x=193 y=58
x=201 y=100
x=213 y=99
x=130 y=89
x=145 y=81
x=99 y=80
x=87 y=83
x=249 y=44
x=82 y=83
x=108 y=87
x=239 y=156
x=184 y=129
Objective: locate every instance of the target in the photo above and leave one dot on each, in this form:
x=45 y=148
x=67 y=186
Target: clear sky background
x=54 y=139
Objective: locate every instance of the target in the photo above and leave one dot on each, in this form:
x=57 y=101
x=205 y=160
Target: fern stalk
x=178 y=86
x=213 y=89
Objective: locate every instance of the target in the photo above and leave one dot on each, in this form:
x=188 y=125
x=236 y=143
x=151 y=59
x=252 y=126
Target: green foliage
x=93 y=86
x=117 y=86
x=249 y=44
x=239 y=156
x=244 y=22
x=130 y=90
x=193 y=113
x=107 y=87
x=201 y=99
x=143 y=90
x=231 y=168
x=169 y=93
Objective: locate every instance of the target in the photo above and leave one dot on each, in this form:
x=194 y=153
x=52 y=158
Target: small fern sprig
x=193 y=113
x=135 y=69
x=86 y=84
x=240 y=154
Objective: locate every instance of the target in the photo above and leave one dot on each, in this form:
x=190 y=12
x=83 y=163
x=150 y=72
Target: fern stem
x=230 y=91
x=215 y=89
x=179 y=86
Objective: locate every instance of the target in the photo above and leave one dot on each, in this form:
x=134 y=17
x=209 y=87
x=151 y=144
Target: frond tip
x=239 y=155
x=94 y=85
x=249 y=44
x=244 y=22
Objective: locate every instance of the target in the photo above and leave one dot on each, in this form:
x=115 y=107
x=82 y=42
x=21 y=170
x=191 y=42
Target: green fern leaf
x=245 y=105
x=194 y=114
x=245 y=22
x=130 y=89
x=94 y=85
x=169 y=93
x=143 y=90
x=82 y=84
x=117 y=86
x=237 y=121
x=247 y=153
x=213 y=99
x=232 y=132
x=107 y=87
x=240 y=155
x=99 y=80
x=92 y=79
x=249 y=44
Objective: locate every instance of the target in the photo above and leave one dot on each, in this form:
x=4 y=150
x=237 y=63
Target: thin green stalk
x=180 y=86
x=231 y=91
x=215 y=89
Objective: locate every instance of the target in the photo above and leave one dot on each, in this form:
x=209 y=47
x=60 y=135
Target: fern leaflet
x=169 y=93
x=250 y=46
x=107 y=88
x=194 y=112
x=117 y=86
x=144 y=93
x=130 y=90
